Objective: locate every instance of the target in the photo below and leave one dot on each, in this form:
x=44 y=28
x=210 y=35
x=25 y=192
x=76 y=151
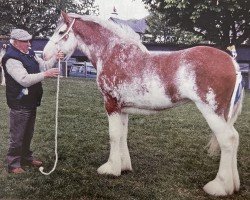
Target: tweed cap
x=20 y=34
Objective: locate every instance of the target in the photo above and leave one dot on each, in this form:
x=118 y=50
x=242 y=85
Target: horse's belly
x=143 y=92
x=133 y=108
x=149 y=98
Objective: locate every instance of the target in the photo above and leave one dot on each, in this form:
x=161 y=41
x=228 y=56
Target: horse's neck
x=100 y=43
x=93 y=39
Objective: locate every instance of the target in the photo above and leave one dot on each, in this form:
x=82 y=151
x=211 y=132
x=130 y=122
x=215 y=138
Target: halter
x=66 y=33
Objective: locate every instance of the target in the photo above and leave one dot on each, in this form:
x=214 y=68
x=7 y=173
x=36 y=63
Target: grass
x=167 y=151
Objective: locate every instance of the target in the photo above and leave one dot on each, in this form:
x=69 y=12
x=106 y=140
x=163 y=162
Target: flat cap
x=20 y=34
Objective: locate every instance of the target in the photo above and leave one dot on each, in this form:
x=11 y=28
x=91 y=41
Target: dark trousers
x=22 y=123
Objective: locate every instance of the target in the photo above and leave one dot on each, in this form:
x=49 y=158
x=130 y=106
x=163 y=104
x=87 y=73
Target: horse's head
x=63 y=39
x=95 y=37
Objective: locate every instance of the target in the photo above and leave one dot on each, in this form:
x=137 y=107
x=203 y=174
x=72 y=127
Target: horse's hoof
x=236 y=180
x=216 y=188
x=109 y=169
x=237 y=185
x=126 y=166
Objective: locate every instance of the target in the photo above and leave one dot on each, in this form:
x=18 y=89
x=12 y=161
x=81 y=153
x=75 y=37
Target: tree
x=163 y=33
x=219 y=21
x=38 y=16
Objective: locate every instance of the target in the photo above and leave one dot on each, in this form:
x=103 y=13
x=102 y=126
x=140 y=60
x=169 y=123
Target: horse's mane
x=122 y=30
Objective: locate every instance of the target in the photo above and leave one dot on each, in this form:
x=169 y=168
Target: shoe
x=33 y=163
x=36 y=163
x=18 y=170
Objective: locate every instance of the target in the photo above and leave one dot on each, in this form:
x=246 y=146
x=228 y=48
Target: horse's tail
x=235 y=108
x=213 y=146
x=237 y=98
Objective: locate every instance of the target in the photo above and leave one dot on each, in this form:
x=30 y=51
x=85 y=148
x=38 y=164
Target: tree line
x=222 y=22
x=39 y=17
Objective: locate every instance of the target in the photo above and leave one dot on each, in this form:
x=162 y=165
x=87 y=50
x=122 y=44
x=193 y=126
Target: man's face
x=23 y=46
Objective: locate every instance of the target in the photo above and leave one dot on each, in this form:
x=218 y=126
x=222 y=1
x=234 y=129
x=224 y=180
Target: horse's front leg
x=113 y=165
x=125 y=157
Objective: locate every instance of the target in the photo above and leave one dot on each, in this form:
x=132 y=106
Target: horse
x=133 y=80
x=2 y=52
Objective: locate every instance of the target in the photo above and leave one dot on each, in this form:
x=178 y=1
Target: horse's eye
x=61 y=32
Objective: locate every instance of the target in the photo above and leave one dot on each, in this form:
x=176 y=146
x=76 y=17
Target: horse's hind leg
x=227 y=179
x=118 y=159
x=235 y=168
x=125 y=157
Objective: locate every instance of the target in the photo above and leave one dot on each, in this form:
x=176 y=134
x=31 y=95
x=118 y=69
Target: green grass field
x=167 y=151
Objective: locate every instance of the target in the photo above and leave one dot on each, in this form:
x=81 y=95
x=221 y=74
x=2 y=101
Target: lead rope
x=56 y=126
x=57 y=101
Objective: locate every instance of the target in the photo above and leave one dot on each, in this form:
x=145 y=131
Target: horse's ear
x=65 y=17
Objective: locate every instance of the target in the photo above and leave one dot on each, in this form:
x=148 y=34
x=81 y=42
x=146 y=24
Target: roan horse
x=134 y=80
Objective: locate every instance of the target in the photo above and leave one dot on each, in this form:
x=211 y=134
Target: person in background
x=232 y=51
x=2 y=52
x=24 y=72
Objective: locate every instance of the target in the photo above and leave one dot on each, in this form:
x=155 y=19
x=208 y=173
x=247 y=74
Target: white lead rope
x=56 y=126
x=57 y=101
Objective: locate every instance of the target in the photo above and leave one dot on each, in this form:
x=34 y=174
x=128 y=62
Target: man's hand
x=60 y=55
x=53 y=72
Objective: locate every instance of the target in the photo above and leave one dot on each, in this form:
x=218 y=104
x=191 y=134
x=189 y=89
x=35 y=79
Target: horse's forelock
x=61 y=20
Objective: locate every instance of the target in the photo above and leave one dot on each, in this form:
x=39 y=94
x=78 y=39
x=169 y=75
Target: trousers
x=22 y=123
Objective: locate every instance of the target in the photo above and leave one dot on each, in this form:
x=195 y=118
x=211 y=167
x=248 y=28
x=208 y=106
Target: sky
x=126 y=9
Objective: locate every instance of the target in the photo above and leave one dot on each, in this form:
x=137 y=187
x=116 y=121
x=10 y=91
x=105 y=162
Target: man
x=24 y=73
